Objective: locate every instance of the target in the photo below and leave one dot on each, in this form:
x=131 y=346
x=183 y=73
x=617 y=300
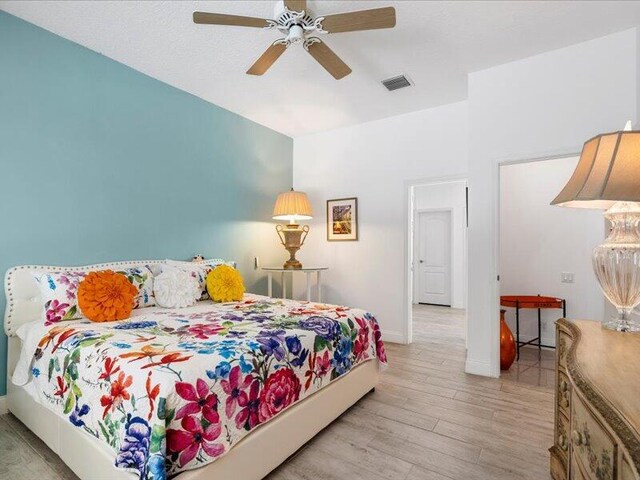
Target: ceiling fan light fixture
x=293 y=20
x=296 y=35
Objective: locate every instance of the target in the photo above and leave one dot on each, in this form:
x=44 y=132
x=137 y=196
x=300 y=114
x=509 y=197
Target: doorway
x=436 y=256
x=433 y=255
x=544 y=250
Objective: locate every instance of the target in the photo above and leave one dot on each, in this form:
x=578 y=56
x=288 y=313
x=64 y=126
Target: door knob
x=421 y=261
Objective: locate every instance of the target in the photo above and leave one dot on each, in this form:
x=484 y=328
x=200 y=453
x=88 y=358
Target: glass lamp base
x=616 y=263
x=622 y=325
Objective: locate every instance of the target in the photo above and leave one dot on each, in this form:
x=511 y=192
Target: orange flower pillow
x=105 y=296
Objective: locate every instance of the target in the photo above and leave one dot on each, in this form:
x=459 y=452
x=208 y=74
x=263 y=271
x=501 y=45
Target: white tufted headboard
x=23 y=294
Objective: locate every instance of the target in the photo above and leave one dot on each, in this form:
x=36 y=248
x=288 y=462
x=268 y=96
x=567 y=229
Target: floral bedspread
x=173 y=390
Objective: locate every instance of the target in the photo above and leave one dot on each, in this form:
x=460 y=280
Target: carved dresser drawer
x=577 y=472
x=626 y=472
x=597 y=403
x=592 y=446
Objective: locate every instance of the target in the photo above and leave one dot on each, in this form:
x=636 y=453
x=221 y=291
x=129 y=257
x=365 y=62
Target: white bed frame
x=250 y=459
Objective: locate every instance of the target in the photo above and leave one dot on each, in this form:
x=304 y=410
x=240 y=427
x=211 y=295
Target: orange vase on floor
x=507 y=344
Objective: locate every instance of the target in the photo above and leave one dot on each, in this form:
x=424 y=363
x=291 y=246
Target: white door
x=433 y=258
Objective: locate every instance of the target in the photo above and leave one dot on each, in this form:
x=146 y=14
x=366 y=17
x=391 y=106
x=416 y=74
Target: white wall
x=450 y=195
x=374 y=161
x=539 y=241
x=544 y=105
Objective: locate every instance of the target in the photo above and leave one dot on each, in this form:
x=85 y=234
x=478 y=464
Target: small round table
x=308 y=270
x=532 y=301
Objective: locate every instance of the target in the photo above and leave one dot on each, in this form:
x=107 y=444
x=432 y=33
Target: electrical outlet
x=256 y=262
x=566 y=277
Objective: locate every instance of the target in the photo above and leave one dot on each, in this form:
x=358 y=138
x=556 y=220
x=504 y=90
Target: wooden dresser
x=597 y=412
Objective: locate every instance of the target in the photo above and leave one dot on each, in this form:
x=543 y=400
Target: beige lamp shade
x=292 y=206
x=608 y=172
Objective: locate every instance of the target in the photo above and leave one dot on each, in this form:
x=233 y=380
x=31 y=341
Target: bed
x=216 y=391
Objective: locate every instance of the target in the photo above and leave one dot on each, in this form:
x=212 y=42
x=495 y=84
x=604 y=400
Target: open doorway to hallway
x=544 y=252
x=438 y=256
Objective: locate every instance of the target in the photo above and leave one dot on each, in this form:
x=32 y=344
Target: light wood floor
x=427 y=420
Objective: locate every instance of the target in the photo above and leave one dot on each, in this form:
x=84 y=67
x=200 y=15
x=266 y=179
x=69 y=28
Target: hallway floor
x=432 y=323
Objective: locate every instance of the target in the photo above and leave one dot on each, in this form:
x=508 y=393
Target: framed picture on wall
x=342 y=219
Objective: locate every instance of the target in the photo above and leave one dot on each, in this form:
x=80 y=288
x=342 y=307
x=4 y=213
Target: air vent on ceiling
x=394 y=83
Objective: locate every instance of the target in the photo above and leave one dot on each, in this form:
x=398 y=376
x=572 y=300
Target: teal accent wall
x=99 y=162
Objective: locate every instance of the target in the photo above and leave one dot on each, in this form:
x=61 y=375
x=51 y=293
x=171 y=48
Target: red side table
x=532 y=301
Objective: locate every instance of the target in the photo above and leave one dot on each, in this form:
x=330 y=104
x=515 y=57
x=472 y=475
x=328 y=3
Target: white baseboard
x=3 y=405
x=393 y=337
x=476 y=367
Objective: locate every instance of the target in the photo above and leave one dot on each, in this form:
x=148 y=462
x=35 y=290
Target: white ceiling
x=435 y=43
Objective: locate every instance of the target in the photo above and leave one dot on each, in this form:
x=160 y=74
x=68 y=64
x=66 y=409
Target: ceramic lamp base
x=292 y=237
x=292 y=264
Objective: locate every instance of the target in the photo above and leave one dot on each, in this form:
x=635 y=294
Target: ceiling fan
x=294 y=21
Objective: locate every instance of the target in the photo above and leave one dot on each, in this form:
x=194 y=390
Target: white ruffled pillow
x=199 y=270
x=176 y=288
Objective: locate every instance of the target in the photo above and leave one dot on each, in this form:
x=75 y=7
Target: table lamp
x=607 y=177
x=292 y=206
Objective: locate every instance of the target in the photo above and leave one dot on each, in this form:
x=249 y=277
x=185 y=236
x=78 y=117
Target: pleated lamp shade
x=608 y=172
x=292 y=206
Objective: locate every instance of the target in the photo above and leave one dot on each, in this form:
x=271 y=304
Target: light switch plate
x=566 y=277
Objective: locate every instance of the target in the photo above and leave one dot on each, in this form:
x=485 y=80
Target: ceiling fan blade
x=329 y=60
x=296 y=5
x=267 y=59
x=223 y=19
x=360 y=20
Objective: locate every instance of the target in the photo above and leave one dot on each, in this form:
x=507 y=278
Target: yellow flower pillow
x=225 y=284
